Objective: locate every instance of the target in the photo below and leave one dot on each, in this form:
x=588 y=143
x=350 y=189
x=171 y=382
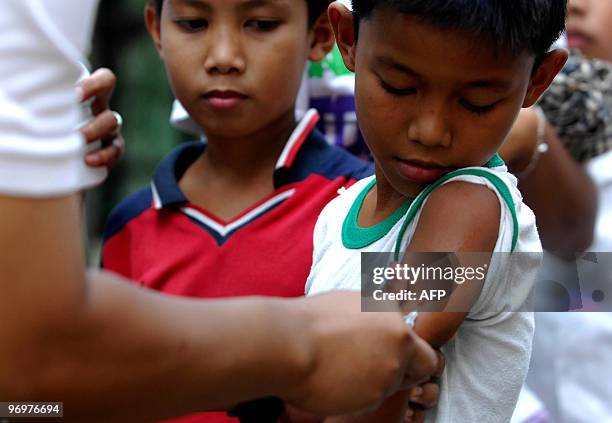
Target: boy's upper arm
x=457 y=217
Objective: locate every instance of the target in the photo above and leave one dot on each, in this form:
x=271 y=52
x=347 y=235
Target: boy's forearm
x=438 y=328
x=95 y=340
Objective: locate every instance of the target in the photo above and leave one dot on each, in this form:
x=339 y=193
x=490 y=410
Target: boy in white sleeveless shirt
x=439 y=84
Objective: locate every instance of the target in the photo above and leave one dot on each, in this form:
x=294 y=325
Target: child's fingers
x=105 y=126
x=100 y=86
x=106 y=156
x=426 y=395
x=414 y=414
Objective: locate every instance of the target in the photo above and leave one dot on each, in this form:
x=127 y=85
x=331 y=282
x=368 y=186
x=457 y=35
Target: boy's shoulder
x=517 y=230
x=494 y=175
x=127 y=210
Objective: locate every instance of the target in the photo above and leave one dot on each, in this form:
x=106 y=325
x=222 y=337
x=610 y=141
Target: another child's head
x=439 y=83
x=237 y=65
x=589 y=28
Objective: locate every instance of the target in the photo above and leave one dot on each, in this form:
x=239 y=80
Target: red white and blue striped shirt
x=159 y=239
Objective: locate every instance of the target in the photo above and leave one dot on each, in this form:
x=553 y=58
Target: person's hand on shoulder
x=105 y=126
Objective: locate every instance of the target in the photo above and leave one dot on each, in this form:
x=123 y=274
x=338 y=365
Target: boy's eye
x=479 y=110
x=398 y=92
x=192 y=24
x=263 y=24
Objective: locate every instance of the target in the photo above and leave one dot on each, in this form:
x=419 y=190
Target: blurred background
x=142 y=96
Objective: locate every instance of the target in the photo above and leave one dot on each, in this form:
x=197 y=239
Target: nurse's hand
x=358 y=359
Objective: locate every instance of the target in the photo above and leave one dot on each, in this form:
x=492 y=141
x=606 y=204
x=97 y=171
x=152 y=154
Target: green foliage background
x=142 y=96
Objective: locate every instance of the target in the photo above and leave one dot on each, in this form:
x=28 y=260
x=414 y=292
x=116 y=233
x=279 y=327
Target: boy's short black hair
x=518 y=25
x=315 y=9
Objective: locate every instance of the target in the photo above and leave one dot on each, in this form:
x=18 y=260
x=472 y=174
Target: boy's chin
x=222 y=132
x=400 y=184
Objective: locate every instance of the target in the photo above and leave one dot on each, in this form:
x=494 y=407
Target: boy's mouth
x=421 y=172
x=224 y=99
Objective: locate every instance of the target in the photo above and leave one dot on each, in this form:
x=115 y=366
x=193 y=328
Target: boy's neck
x=235 y=173
x=382 y=201
x=252 y=154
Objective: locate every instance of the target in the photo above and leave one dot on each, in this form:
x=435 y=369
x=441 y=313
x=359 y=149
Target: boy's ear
x=153 y=23
x=341 y=20
x=551 y=65
x=322 y=39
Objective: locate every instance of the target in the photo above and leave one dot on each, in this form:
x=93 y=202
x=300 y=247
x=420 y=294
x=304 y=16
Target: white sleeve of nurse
x=41 y=44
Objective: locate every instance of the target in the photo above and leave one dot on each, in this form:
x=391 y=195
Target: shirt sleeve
x=41 y=45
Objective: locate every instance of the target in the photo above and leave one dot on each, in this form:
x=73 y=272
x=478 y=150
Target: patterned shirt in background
x=579 y=106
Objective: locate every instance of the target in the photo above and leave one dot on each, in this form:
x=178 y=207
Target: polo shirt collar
x=297 y=139
x=165 y=183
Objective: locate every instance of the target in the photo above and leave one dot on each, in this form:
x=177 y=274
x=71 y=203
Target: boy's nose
x=224 y=54
x=430 y=129
x=576 y=7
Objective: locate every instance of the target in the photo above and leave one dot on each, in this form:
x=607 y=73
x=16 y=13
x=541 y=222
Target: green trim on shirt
x=496 y=161
x=354 y=236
